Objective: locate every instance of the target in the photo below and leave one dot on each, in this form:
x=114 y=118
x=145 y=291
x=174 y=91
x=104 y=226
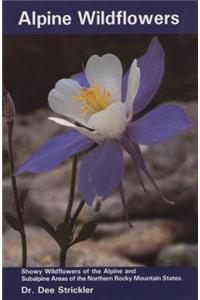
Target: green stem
x=77 y=212
x=63 y=251
x=15 y=194
x=63 y=254
x=72 y=189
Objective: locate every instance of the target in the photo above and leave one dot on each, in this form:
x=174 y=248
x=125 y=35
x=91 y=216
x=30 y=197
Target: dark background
x=33 y=64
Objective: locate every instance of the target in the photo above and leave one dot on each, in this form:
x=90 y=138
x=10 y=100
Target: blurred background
x=162 y=235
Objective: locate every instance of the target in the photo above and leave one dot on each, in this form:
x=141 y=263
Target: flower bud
x=9 y=111
x=97 y=203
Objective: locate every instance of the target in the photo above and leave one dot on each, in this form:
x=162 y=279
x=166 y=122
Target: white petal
x=133 y=85
x=62 y=102
x=111 y=122
x=62 y=122
x=93 y=135
x=105 y=71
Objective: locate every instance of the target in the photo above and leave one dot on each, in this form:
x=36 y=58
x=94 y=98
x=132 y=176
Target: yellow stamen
x=95 y=99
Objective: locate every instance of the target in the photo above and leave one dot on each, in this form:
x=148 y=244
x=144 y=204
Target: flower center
x=95 y=99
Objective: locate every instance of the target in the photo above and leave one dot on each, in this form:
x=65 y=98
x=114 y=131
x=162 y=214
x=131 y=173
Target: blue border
x=187 y=12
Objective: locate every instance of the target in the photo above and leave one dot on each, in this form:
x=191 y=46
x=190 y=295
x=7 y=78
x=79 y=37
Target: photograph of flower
x=100 y=150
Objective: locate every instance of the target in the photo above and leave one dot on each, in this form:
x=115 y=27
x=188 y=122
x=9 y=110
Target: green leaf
x=86 y=232
x=12 y=221
x=48 y=228
x=64 y=234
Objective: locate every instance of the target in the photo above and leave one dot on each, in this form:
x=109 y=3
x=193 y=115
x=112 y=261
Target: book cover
x=100 y=150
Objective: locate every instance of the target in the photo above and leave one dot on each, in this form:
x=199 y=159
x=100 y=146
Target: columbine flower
x=101 y=105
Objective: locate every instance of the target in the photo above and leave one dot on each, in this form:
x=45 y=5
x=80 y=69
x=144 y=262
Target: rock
x=48 y=197
x=178 y=255
x=8 y=200
x=49 y=194
x=43 y=251
x=111 y=229
x=30 y=131
x=94 y=254
x=147 y=238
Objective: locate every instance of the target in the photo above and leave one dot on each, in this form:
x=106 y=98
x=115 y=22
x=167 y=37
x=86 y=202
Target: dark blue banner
x=139 y=283
x=100 y=17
